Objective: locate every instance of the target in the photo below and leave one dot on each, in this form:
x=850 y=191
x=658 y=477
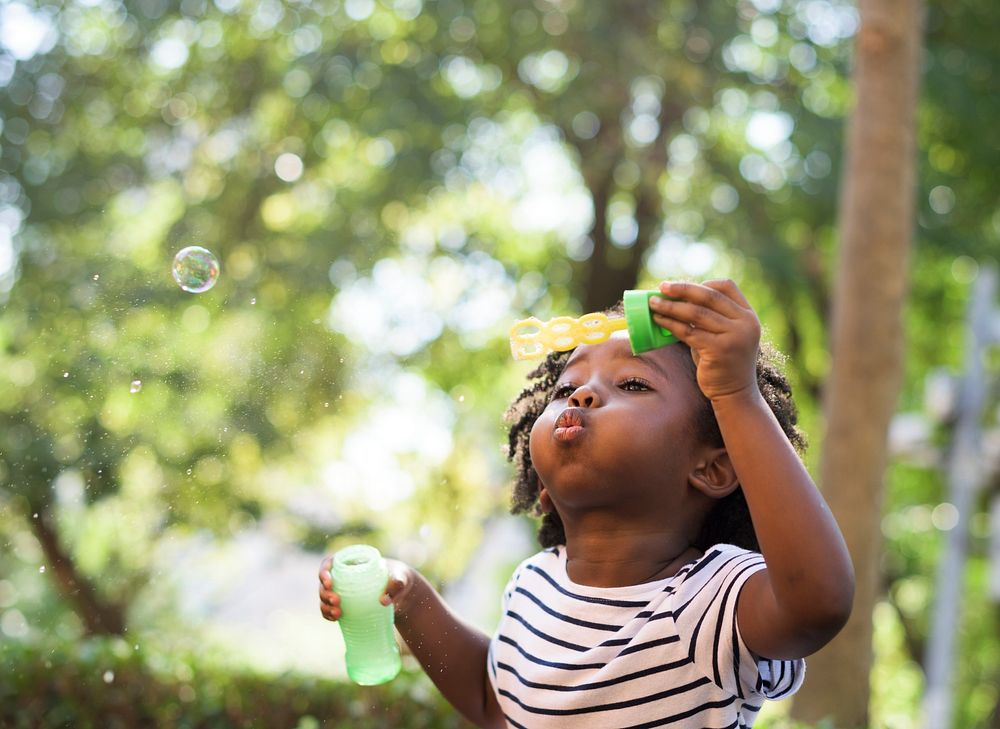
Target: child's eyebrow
x=654 y=363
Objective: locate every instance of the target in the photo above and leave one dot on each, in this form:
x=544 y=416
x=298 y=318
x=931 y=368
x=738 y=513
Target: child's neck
x=600 y=558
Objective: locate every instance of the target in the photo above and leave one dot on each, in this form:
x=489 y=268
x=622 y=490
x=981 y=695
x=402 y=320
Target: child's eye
x=635 y=384
x=563 y=391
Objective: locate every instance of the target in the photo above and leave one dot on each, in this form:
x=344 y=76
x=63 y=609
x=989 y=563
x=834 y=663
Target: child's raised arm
x=804 y=597
x=451 y=652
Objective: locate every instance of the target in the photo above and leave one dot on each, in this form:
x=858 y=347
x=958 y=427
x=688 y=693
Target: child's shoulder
x=721 y=558
x=549 y=564
x=726 y=550
x=715 y=558
x=543 y=563
x=549 y=557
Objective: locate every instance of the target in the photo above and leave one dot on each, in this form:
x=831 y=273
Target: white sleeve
x=705 y=614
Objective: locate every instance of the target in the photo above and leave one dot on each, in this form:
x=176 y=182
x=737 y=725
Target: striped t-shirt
x=664 y=653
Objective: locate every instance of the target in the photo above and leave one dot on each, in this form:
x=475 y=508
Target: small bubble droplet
x=42 y=568
x=195 y=269
x=65 y=375
x=97 y=276
x=253 y=301
x=461 y=398
x=136 y=386
x=109 y=676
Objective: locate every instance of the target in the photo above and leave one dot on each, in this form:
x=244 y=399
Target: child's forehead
x=616 y=344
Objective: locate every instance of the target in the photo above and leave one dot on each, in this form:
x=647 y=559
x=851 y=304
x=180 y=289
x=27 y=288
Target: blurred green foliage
x=105 y=683
x=387 y=185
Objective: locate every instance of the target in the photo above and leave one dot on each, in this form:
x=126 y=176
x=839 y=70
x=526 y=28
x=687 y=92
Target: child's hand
x=717 y=322
x=396 y=589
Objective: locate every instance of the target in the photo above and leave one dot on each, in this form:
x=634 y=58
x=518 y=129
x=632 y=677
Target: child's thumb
x=392 y=589
x=398 y=584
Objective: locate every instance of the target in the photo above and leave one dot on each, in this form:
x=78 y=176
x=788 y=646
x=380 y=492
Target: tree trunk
x=875 y=223
x=599 y=292
x=611 y=270
x=98 y=616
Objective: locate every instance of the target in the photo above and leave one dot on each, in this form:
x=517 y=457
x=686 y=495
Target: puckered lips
x=569 y=425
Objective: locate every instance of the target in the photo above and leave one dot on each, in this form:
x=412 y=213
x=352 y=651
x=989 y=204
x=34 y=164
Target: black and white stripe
x=665 y=653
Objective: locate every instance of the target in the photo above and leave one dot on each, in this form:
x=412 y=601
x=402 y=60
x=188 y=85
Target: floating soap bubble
x=135 y=387
x=196 y=269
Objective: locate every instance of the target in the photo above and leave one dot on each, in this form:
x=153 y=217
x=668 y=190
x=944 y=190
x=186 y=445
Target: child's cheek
x=535 y=441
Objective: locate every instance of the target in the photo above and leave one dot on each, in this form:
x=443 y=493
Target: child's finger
x=730 y=289
x=392 y=588
x=704 y=296
x=692 y=314
x=329 y=601
x=324 y=573
x=684 y=331
x=330 y=612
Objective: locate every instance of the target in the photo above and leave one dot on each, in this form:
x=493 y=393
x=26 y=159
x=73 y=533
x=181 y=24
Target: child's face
x=620 y=430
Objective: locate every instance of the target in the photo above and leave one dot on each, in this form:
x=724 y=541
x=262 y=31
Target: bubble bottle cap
x=643 y=333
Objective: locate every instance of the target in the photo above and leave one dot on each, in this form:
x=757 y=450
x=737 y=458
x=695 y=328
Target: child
x=651 y=604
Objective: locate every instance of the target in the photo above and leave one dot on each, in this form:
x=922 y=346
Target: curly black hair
x=729 y=521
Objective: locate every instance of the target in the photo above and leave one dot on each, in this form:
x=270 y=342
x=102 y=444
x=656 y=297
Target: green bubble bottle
x=359 y=576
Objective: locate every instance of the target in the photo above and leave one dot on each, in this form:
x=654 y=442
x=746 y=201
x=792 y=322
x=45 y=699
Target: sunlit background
x=387 y=186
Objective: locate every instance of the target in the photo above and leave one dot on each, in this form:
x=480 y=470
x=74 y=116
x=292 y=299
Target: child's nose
x=584 y=397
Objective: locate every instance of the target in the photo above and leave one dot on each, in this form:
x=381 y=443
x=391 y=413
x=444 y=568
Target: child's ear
x=714 y=474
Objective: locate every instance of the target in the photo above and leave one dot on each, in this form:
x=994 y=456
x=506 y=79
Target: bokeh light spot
x=288 y=167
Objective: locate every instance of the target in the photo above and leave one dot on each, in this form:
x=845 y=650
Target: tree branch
x=99 y=617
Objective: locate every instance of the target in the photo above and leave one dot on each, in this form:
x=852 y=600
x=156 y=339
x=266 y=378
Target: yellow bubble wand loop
x=532 y=338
